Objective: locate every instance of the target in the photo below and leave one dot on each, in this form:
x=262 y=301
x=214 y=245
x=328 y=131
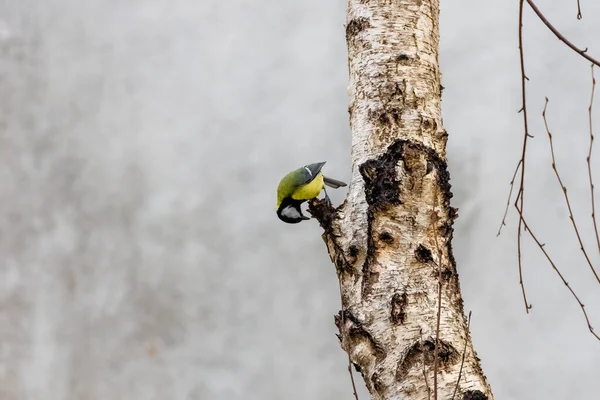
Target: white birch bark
x=393 y=234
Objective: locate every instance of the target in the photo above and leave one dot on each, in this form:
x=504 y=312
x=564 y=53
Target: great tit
x=301 y=185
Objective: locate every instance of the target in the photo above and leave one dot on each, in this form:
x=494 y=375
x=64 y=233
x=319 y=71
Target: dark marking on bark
x=350 y=317
x=447 y=273
x=447 y=352
x=377 y=383
x=367 y=280
x=386 y=237
x=429 y=168
x=394 y=116
x=428 y=124
x=474 y=395
x=443 y=135
x=388 y=117
x=441 y=168
x=355 y=26
x=352 y=254
x=381 y=191
x=398 y=89
x=424 y=352
x=399 y=303
x=402 y=57
x=379 y=174
x=412 y=357
x=423 y=254
x=339 y=263
x=429 y=345
x=357 y=333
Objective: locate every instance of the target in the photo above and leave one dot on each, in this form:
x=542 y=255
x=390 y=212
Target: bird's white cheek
x=290 y=212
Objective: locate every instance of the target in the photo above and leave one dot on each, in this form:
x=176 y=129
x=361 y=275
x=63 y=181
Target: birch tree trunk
x=391 y=239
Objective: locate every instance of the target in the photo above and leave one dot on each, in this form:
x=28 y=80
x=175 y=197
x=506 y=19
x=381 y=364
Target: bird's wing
x=333 y=183
x=296 y=179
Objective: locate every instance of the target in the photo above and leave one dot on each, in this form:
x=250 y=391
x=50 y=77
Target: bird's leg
x=327 y=199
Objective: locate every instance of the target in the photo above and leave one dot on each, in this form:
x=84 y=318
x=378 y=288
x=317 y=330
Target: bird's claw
x=327 y=199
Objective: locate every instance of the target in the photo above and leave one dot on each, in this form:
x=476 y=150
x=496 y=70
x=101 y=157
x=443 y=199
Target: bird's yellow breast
x=311 y=190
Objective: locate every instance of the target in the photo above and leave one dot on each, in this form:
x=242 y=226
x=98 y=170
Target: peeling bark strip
x=393 y=233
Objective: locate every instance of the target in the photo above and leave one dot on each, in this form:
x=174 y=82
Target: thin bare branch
x=520 y=194
x=564 y=190
x=342 y=328
x=462 y=362
x=352 y=378
x=424 y=372
x=560 y=36
x=579 y=15
x=439 y=305
x=512 y=185
x=541 y=247
x=589 y=158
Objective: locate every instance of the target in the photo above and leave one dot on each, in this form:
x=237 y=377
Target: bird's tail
x=333 y=183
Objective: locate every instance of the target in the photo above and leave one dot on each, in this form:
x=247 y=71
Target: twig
x=589 y=158
x=582 y=53
x=343 y=332
x=425 y=373
x=439 y=305
x=520 y=195
x=541 y=247
x=352 y=378
x=520 y=258
x=512 y=185
x=579 y=15
x=462 y=362
x=564 y=190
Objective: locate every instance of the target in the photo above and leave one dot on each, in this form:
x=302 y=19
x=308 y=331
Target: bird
x=300 y=185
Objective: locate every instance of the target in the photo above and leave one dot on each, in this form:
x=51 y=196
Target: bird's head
x=289 y=211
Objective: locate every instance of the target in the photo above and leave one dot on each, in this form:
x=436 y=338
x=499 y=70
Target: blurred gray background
x=141 y=143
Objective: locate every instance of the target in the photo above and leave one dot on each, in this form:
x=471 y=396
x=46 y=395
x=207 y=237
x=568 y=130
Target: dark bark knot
x=381 y=181
x=386 y=237
x=474 y=395
x=423 y=254
x=389 y=116
x=423 y=352
x=447 y=274
x=352 y=256
x=399 y=303
x=355 y=26
x=355 y=334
